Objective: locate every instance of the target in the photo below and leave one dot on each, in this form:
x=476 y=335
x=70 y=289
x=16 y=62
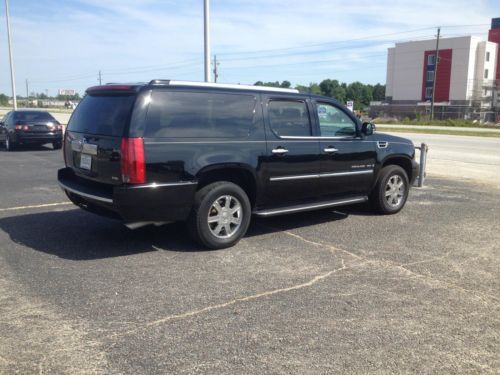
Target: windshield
x=103 y=114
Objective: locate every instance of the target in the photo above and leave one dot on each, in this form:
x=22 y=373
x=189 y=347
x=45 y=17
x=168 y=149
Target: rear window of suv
x=199 y=114
x=102 y=114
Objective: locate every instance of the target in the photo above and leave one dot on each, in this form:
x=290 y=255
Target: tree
x=4 y=100
x=379 y=92
x=333 y=89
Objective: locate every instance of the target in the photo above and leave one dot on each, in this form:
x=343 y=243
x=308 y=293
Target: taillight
x=132 y=161
x=22 y=127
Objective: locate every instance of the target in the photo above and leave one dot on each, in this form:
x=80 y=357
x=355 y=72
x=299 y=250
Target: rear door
x=93 y=137
x=347 y=160
x=292 y=164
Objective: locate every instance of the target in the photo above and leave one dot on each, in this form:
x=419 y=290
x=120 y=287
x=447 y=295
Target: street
x=332 y=291
x=475 y=159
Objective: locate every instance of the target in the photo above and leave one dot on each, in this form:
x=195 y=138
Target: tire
x=225 y=228
x=57 y=145
x=9 y=145
x=387 y=197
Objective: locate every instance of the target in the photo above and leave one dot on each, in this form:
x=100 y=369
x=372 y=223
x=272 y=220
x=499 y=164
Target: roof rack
x=167 y=82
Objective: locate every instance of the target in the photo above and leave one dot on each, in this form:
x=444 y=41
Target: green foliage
x=69 y=97
x=284 y=84
x=358 y=92
x=4 y=100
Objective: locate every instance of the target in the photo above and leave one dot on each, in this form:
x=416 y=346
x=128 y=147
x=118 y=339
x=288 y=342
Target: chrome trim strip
x=310 y=207
x=298 y=177
x=321 y=175
x=91 y=196
x=368 y=171
x=156 y=185
x=313 y=137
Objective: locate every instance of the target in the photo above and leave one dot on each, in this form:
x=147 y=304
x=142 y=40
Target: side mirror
x=368 y=128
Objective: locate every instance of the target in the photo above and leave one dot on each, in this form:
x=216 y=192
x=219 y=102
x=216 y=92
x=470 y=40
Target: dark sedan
x=30 y=127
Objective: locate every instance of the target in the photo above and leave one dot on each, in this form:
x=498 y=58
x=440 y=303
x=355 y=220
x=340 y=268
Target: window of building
x=428 y=92
x=487 y=56
x=334 y=122
x=289 y=118
x=486 y=74
x=430 y=75
x=431 y=59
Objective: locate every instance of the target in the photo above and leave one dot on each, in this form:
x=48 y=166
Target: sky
x=65 y=43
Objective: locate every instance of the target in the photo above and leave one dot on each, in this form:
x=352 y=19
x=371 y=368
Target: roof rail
x=167 y=82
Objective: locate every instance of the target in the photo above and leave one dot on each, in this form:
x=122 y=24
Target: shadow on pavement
x=78 y=235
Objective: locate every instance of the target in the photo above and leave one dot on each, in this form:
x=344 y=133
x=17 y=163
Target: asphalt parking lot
x=339 y=291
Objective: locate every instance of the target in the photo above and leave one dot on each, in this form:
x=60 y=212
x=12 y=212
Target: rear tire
x=391 y=192
x=220 y=216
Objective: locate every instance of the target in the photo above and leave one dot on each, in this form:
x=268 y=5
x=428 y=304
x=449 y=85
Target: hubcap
x=395 y=191
x=224 y=216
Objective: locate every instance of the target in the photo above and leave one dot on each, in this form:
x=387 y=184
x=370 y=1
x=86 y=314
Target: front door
x=347 y=160
x=291 y=167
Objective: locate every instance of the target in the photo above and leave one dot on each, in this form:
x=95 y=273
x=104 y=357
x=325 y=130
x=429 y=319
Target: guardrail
x=424 y=149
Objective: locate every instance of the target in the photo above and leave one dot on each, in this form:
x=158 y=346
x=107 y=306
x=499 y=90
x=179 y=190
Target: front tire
x=391 y=192
x=220 y=216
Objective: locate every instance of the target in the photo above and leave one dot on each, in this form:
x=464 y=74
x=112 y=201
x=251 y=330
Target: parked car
x=213 y=155
x=30 y=127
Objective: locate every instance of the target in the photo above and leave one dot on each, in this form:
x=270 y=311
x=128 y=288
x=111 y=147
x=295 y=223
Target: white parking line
x=35 y=206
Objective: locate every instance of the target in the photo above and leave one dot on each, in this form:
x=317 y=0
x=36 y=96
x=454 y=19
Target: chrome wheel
x=395 y=190
x=224 y=216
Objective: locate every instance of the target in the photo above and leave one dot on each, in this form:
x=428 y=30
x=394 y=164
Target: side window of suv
x=334 y=122
x=289 y=118
x=199 y=114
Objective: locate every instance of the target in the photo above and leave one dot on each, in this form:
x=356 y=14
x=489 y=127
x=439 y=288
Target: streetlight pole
x=436 y=62
x=207 y=39
x=12 y=79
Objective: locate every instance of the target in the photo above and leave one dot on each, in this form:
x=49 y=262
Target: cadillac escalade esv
x=213 y=155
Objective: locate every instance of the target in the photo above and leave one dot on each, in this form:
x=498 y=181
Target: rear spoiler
x=113 y=89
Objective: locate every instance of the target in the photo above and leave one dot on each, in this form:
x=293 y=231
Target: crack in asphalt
x=252 y=297
x=480 y=295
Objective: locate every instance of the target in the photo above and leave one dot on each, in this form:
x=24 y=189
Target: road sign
x=350 y=105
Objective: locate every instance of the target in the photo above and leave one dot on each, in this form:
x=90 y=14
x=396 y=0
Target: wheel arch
x=401 y=160
x=240 y=174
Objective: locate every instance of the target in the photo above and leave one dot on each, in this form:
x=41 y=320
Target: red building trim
x=443 y=77
x=494 y=36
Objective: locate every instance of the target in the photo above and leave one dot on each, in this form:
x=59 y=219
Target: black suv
x=213 y=155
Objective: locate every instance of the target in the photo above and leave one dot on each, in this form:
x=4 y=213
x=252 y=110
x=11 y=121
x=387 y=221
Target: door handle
x=330 y=150
x=279 y=151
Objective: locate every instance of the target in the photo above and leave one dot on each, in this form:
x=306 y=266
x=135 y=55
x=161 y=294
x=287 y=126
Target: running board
x=309 y=207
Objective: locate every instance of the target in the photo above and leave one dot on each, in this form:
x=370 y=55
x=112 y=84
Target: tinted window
x=33 y=116
x=198 y=114
x=103 y=115
x=334 y=122
x=289 y=118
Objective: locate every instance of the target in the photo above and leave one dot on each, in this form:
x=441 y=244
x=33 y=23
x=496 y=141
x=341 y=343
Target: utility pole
x=436 y=63
x=207 y=39
x=12 y=74
x=100 y=78
x=216 y=69
x=27 y=93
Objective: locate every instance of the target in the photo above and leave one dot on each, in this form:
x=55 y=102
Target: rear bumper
x=37 y=138
x=131 y=203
